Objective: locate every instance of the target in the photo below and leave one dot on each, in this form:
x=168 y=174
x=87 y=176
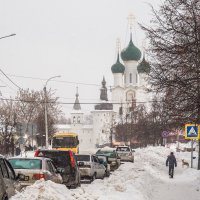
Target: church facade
x=129 y=88
x=99 y=132
x=130 y=79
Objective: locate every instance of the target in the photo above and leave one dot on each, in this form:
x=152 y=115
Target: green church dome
x=117 y=67
x=131 y=52
x=144 y=67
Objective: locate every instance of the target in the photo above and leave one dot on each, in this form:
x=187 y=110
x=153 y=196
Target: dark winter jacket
x=171 y=160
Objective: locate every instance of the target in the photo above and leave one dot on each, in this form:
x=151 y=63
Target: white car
x=125 y=153
x=90 y=167
x=33 y=169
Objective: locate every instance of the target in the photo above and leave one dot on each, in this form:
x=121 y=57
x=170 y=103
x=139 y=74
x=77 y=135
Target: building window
x=78 y=120
x=130 y=78
x=74 y=120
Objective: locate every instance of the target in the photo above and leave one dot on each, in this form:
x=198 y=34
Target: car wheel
x=103 y=176
x=108 y=174
x=93 y=178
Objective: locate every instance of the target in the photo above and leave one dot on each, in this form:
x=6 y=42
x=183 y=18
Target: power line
x=10 y=79
x=7 y=85
x=71 y=103
x=43 y=79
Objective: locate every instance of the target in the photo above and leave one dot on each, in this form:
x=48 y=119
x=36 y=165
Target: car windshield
x=60 y=158
x=126 y=149
x=82 y=157
x=64 y=142
x=26 y=163
x=107 y=153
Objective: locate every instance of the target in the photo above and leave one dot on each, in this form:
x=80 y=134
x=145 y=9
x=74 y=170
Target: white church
x=130 y=85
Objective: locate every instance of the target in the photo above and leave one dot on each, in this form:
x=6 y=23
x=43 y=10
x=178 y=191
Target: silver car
x=7 y=179
x=90 y=167
x=125 y=153
x=32 y=169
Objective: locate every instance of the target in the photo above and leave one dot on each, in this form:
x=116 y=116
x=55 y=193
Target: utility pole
x=45 y=115
x=45 y=112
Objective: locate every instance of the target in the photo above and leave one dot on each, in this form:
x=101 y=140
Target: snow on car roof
x=108 y=149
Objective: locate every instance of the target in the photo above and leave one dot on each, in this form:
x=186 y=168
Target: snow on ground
x=146 y=179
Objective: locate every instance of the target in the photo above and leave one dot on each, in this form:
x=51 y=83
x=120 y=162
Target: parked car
x=7 y=179
x=90 y=167
x=104 y=160
x=65 y=162
x=35 y=169
x=125 y=153
x=113 y=157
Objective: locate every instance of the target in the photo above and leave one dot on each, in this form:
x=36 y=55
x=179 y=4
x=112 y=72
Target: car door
x=56 y=176
x=51 y=172
x=97 y=166
x=8 y=177
x=2 y=186
x=101 y=168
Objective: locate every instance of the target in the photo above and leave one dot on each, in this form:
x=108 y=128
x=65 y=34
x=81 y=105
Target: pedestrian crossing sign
x=192 y=131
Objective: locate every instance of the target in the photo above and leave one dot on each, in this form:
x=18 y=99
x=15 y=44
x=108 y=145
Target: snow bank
x=48 y=190
x=145 y=179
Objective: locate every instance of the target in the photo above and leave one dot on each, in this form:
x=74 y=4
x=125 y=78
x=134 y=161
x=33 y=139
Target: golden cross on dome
x=131 y=20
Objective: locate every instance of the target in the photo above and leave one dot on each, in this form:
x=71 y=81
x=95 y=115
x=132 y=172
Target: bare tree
x=174 y=38
x=7 y=127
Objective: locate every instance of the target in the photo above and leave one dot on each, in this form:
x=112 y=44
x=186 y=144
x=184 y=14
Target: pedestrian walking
x=171 y=162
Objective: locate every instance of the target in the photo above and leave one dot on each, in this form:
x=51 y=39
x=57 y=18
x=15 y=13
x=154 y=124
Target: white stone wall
x=130 y=69
x=118 y=79
x=118 y=96
x=102 y=122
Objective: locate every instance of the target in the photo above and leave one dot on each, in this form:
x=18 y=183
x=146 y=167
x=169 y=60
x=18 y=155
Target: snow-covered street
x=146 y=179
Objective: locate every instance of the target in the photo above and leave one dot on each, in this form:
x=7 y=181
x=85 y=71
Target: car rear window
x=107 y=153
x=60 y=158
x=123 y=149
x=26 y=163
x=82 y=157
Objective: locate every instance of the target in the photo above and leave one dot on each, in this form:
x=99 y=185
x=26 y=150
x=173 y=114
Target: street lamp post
x=45 y=110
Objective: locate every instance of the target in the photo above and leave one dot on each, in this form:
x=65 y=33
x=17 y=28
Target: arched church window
x=130 y=78
x=74 y=120
x=78 y=120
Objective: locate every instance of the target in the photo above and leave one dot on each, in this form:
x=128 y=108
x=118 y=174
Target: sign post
x=192 y=142
x=192 y=132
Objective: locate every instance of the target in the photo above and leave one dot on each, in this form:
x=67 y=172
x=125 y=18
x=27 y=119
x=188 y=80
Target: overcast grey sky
x=72 y=38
